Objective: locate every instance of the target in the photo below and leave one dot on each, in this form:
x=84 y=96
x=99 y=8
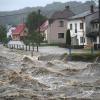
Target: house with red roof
x=20 y=32
x=44 y=29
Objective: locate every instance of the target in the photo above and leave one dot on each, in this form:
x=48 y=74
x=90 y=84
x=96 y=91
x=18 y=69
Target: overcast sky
x=6 y=5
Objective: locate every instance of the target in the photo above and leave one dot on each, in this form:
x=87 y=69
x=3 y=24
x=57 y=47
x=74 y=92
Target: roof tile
x=19 y=29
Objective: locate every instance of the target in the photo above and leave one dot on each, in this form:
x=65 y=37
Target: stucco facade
x=55 y=29
x=56 y=32
x=80 y=34
x=80 y=26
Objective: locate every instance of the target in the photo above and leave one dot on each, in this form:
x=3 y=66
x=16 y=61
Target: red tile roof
x=19 y=29
x=44 y=26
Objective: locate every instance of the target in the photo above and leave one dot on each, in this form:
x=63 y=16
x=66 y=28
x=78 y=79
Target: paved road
x=58 y=50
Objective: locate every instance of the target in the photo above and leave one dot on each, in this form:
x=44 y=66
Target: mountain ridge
x=19 y=16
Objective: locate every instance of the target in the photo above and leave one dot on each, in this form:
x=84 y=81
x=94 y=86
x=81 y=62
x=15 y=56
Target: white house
x=10 y=31
x=80 y=25
x=78 y=31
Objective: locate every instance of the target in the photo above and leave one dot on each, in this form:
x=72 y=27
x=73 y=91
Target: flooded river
x=48 y=78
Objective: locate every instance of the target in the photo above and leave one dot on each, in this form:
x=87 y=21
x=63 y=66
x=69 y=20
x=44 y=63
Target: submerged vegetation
x=87 y=57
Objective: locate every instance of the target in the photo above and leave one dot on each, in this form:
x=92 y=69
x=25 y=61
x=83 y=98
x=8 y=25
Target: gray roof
x=95 y=21
x=84 y=14
x=65 y=14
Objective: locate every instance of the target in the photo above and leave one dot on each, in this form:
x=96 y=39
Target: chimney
x=92 y=9
x=67 y=7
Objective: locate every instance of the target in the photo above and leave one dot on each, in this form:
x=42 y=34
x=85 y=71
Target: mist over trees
x=20 y=16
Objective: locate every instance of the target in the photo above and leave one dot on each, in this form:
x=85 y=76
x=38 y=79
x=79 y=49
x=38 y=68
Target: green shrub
x=84 y=57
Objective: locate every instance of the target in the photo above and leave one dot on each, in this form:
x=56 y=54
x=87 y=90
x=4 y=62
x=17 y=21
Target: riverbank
x=85 y=57
x=50 y=77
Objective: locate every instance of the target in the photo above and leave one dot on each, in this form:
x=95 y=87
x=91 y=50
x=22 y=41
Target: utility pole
x=38 y=26
x=99 y=23
x=39 y=20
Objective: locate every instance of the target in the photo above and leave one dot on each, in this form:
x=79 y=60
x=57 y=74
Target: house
x=56 y=32
x=20 y=32
x=94 y=32
x=10 y=31
x=80 y=25
x=44 y=29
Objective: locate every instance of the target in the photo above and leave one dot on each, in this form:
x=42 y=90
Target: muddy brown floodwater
x=49 y=78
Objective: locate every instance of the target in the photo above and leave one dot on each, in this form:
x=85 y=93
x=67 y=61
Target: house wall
x=88 y=19
x=45 y=33
x=24 y=32
x=80 y=32
x=9 y=33
x=88 y=26
x=95 y=27
x=16 y=37
x=54 y=29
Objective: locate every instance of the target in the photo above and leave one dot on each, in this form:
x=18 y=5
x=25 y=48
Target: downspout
x=83 y=20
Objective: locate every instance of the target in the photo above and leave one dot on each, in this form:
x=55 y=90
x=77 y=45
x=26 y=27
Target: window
x=81 y=26
x=82 y=40
x=75 y=28
x=60 y=35
x=96 y=25
x=61 y=23
x=93 y=26
x=71 y=27
x=95 y=39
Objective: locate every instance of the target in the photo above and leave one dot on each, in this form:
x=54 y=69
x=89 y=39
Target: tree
x=68 y=40
x=34 y=20
x=26 y=41
x=3 y=36
x=9 y=38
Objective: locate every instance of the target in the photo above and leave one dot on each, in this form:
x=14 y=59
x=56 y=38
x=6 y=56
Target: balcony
x=92 y=34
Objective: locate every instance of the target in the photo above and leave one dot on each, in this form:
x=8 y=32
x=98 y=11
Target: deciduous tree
x=3 y=36
x=33 y=23
x=68 y=40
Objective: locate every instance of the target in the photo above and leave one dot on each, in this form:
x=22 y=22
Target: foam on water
x=43 y=80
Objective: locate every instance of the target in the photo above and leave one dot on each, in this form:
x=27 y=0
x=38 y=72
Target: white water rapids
x=49 y=78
